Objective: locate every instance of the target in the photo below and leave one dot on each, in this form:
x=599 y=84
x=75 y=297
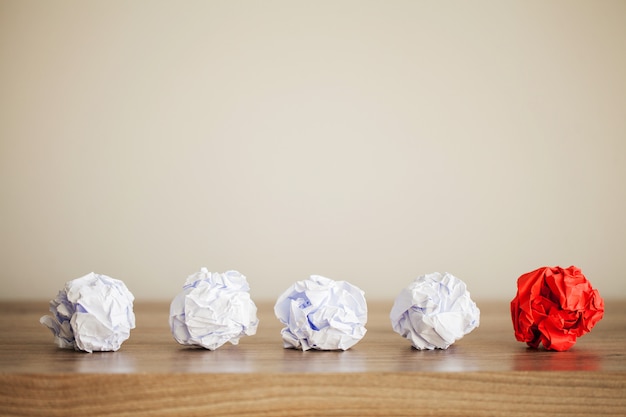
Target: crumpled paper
x=434 y=311
x=554 y=306
x=213 y=309
x=322 y=314
x=92 y=313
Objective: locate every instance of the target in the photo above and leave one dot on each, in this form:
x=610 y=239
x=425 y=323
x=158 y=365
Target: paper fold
x=91 y=313
x=322 y=314
x=434 y=311
x=213 y=309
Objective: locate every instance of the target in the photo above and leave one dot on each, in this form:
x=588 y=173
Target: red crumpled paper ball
x=554 y=306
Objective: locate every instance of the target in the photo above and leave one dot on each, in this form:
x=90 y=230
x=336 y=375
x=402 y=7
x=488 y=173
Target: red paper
x=554 y=306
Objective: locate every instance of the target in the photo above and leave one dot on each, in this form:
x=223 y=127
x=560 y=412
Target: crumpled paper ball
x=92 y=313
x=322 y=314
x=554 y=306
x=213 y=309
x=434 y=311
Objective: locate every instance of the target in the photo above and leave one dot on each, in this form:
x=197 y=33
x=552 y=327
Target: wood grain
x=486 y=373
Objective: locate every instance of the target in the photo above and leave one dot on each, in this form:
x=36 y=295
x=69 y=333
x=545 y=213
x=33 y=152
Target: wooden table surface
x=486 y=373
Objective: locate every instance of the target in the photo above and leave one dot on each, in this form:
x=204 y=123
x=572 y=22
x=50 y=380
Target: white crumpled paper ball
x=213 y=309
x=92 y=313
x=322 y=314
x=434 y=311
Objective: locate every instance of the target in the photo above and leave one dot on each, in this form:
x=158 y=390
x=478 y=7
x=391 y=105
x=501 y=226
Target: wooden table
x=486 y=373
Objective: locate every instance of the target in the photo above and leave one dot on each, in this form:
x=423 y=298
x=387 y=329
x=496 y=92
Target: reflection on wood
x=487 y=372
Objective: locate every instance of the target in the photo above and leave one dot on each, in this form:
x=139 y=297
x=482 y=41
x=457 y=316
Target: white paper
x=434 y=311
x=322 y=314
x=92 y=313
x=213 y=309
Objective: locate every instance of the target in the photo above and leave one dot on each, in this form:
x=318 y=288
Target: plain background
x=367 y=141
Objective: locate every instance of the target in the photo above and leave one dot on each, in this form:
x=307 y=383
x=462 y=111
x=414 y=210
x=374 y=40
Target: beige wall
x=365 y=141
